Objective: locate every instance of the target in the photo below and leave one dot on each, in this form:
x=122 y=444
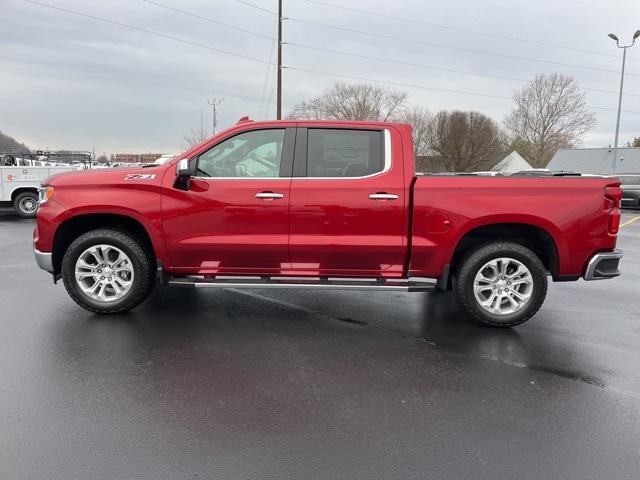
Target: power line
x=461 y=30
x=268 y=62
x=449 y=47
x=191 y=14
x=401 y=84
x=499 y=77
x=262 y=112
x=614 y=109
x=184 y=12
x=150 y=32
x=431 y=67
x=217 y=22
x=268 y=109
x=423 y=87
x=399 y=62
x=273 y=39
x=248 y=4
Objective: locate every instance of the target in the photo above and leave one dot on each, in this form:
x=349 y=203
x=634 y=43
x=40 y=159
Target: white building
x=511 y=163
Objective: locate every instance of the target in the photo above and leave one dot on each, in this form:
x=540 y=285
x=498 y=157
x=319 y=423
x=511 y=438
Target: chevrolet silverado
x=324 y=204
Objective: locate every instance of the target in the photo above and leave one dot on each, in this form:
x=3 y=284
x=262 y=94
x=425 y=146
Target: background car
x=630 y=190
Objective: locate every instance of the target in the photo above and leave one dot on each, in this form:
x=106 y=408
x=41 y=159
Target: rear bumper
x=603 y=265
x=44 y=260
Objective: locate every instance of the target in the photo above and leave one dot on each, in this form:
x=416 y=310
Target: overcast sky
x=73 y=82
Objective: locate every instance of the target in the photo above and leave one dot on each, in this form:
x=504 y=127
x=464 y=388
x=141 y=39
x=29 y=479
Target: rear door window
x=344 y=152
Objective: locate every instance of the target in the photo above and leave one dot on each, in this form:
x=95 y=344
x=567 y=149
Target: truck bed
x=571 y=209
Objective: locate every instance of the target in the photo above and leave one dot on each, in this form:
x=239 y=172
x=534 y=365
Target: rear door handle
x=269 y=195
x=383 y=196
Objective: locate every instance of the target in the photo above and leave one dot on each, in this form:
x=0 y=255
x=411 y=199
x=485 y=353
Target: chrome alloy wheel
x=104 y=273
x=503 y=286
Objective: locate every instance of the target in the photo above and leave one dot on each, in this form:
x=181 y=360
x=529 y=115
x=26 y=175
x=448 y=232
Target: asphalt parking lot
x=274 y=384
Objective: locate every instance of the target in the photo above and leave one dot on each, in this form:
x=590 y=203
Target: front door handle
x=269 y=195
x=383 y=196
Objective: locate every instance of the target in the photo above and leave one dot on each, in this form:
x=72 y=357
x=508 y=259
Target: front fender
x=142 y=205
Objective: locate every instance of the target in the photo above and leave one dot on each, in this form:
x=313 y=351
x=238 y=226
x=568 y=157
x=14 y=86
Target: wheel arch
x=534 y=237
x=77 y=225
x=21 y=189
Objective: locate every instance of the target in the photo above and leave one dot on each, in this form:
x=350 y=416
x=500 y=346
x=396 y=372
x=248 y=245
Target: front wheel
x=26 y=204
x=107 y=271
x=501 y=284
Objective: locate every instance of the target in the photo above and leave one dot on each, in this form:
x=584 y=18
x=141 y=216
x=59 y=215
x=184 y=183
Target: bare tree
x=634 y=143
x=420 y=119
x=195 y=136
x=466 y=141
x=549 y=113
x=344 y=101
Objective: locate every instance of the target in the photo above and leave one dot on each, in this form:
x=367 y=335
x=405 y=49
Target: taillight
x=614 y=195
x=614 y=221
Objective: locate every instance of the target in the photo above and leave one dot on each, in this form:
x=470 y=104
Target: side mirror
x=182 y=168
x=183 y=174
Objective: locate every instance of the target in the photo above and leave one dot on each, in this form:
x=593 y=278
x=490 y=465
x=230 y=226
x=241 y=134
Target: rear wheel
x=26 y=204
x=501 y=284
x=107 y=271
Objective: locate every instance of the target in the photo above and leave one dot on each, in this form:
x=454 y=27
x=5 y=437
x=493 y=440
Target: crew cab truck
x=324 y=204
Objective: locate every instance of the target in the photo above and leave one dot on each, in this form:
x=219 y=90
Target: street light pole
x=624 y=59
x=279 y=67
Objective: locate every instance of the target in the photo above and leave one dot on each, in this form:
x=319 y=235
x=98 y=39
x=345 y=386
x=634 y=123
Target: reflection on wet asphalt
x=305 y=384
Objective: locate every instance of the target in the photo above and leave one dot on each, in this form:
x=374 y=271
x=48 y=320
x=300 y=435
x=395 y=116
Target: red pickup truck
x=324 y=204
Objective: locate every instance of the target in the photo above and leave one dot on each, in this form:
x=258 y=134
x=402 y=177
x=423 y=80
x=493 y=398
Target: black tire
x=463 y=283
x=141 y=260
x=23 y=201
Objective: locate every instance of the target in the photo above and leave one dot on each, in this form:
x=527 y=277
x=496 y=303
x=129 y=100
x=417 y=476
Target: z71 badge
x=140 y=176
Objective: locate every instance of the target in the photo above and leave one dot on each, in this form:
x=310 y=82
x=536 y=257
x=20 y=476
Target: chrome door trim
x=383 y=196
x=269 y=195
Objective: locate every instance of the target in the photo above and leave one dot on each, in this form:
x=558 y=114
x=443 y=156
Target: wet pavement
x=302 y=384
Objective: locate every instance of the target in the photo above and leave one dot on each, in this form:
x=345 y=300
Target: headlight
x=44 y=194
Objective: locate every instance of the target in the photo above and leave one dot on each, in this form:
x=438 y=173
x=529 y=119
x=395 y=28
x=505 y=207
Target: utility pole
x=624 y=58
x=214 y=102
x=279 y=84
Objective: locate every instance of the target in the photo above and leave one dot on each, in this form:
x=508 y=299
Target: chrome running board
x=414 y=284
